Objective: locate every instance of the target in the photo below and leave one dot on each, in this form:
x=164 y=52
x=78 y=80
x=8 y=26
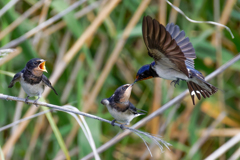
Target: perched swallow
x=173 y=56
x=32 y=79
x=119 y=106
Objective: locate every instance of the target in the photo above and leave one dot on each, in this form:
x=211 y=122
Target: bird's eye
x=35 y=63
x=124 y=88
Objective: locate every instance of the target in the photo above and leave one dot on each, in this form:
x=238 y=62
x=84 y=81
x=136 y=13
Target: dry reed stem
x=221 y=150
x=46 y=140
x=7 y=6
x=222 y=132
x=197 y=145
x=36 y=132
x=78 y=64
x=20 y=19
x=183 y=123
x=69 y=139
x=44 y=48
x=43 y=25
x=218 y=44
x=13 y=138
x=78 y=15
x=90 y=30
x=162 y=9
x=73 y=152
x=160 y=110
x=235 y=155
x=98 y=61
x=157 y=96
x=11 y=55
x=17 y=116
x=42 y=18
x=114 y=55
x=174 y=13
x=71 y=81
x=63 y=47
x=225 y=17
x=213 y=110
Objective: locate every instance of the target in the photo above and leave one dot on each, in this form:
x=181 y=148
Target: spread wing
x=183 y=42
x=48 y=83
x=168 y=45
x=16 y=78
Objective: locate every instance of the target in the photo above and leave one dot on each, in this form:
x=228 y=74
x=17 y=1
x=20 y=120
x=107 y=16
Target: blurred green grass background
x=188 y=122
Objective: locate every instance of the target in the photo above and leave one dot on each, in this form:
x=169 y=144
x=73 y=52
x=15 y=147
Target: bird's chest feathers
x=166 y=72
x=32 y=89
x=122 y=117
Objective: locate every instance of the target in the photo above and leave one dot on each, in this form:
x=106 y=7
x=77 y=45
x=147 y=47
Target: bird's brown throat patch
x=37 y=72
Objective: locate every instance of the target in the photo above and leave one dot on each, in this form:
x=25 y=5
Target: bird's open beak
x=42 y=67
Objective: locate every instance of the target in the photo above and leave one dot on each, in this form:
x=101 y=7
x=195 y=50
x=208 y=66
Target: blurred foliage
x=186 y=123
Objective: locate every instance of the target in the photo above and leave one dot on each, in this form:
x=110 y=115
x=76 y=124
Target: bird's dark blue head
x=146 y=72
x=36 y=64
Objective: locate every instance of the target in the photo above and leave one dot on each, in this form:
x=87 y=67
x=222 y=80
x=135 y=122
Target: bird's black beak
x=135 y=81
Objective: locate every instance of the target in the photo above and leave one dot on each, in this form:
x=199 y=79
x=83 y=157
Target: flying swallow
x=119 y=106
x=173 y=56
x=32 y=79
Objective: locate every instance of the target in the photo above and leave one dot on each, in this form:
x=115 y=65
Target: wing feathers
x=161 y=43
x=180 y=37
x=162 y=35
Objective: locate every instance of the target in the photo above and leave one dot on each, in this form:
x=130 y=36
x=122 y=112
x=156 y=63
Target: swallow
x=32 y=79
x=120 y=107
x=173 y=56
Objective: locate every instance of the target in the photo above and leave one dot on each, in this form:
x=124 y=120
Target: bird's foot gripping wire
x=26 y=100
x=176 y=82
x=113 y=121
x=122 y=126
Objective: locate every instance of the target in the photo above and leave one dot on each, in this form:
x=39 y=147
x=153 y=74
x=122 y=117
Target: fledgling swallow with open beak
x=119 y=106
x=32 y=79
x=173 y=56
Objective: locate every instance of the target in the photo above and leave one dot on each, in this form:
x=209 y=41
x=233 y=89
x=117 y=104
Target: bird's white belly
x=32 y=90
x=169 y=73
x=121 y=117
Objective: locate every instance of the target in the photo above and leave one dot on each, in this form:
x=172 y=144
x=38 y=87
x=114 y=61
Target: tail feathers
x=195 y=89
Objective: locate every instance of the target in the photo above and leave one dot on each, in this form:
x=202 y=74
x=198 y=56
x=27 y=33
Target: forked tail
x=195 y=89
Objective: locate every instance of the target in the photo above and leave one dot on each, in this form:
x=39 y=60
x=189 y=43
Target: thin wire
x=194 y=21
